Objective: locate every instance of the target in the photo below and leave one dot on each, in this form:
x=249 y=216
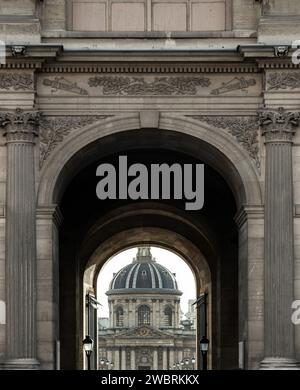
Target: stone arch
x=79 y=149
x=217 y=148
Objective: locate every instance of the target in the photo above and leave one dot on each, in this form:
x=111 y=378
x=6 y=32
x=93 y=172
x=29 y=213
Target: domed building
x=145 y=331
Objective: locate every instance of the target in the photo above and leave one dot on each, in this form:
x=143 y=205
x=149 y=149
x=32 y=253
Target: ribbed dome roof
x=144 y=273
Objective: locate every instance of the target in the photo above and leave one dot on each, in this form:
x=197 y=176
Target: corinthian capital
x=279 y=125
x=20 y=125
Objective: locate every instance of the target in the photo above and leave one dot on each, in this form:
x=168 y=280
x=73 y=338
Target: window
x=119 y=317
x=168 y=316
x=186 y=353
x=144 y=315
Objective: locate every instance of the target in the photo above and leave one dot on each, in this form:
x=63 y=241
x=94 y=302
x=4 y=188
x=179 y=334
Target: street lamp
x=88 y=344
x=204 y=342
x=193 y=360
x=102 y=362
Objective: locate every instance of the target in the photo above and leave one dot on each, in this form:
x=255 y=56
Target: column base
x=279 y=364
x=20 y=364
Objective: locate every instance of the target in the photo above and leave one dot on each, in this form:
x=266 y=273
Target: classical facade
x=215 y=82
x=145 y=331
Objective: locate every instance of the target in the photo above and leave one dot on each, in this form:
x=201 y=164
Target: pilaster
x=278 y=127
x=20 y=129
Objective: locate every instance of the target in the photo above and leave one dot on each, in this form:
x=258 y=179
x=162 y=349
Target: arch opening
x=206 y=240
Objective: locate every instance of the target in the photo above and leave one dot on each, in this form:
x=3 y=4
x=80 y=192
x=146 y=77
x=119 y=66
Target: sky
x=184 y=276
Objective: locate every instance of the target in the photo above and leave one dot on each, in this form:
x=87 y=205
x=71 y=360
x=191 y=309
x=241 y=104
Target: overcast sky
x=174 y=263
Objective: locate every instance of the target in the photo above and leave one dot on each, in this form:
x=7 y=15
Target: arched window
x=144 y=315
x=119 y=316
x=168 y=316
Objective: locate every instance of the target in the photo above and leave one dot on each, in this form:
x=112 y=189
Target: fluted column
x=109 y=357
x=180 y=355
x=117 y=359
x=278 y=128
x=20 y=129
x=165 y=359
x=132 y=359
x=155 y=359
x=123 y=359
x=171 y=357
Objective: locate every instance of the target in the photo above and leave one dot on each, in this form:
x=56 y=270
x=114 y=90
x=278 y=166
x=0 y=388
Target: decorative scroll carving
x=131 y=86
x=279 y=125
x=60 y=83
x=20 y=125
x=284 y=80
x=54 y=130
x=16 y=81
x=237 y=83
x=244 y=129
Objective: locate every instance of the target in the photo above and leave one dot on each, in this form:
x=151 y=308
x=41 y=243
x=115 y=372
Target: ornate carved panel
x=16 y=81
x=244 y=129
x=131 y=86
x=54 y=130
x=283 y=80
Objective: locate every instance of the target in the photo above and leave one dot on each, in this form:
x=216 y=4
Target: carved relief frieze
x=283 y=80
x=61 y=83
x=237 y=83
x=16 y=81
x=127 y=85
x=130 y=86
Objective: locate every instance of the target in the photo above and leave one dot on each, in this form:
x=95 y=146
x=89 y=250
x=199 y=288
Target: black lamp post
x=204 y=342
x=88 y=344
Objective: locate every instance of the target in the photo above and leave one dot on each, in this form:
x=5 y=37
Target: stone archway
x=163 y=238
x=81 y=149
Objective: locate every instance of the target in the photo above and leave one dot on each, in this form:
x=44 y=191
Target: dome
x=144 y=273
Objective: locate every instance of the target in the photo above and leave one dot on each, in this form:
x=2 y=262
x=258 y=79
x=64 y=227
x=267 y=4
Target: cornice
x=30 y=56
x=149 y=68
x=270 y=56
x=277 y=64
x=243 y=58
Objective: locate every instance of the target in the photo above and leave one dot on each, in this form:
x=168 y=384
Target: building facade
x=145 y=330
x=162 y=81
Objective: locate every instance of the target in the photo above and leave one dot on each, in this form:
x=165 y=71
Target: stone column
x=180 y=355
x=123 y=359
x=109 y=356
x=117 y=359
x=20 y=129
x=171 y=357
x=165 y=359
x=132 y=359
x=155 y=359
x=278 y=128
